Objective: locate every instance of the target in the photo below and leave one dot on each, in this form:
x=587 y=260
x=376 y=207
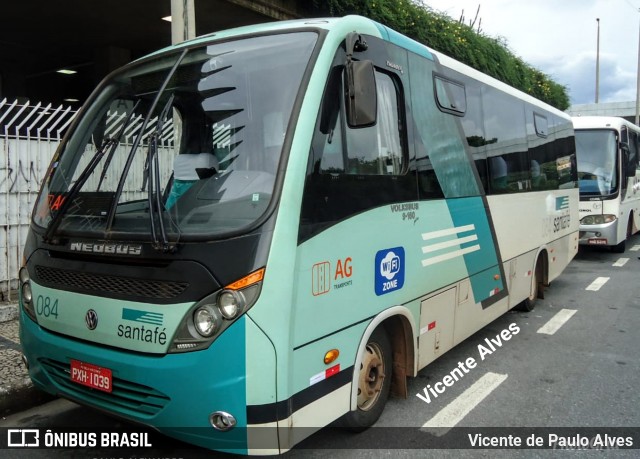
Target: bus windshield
x=186 y=143
x=596 y=152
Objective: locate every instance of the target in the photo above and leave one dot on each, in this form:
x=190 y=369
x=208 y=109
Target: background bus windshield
x=596 y=152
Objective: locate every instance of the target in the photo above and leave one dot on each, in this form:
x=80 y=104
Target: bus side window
x=377 y=150
x=352 y=170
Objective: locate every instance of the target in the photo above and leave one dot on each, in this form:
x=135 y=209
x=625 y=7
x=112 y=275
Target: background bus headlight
x=206 y=320
x=597 y=219
x=26 y=294
x=231 y=304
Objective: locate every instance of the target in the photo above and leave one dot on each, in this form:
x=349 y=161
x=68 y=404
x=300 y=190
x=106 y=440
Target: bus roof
x=595 y=122
x=364 y=25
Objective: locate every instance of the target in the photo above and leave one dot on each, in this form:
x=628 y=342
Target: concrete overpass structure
x=93 y=37
x=626 y=110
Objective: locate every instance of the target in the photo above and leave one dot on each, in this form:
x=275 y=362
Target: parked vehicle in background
x=607 y=149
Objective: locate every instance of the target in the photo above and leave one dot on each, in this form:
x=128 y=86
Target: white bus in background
x=607 y=151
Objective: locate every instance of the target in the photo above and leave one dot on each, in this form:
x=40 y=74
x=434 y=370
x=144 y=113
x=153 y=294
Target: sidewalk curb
x=8 y=312
x=17 y=392
x=21 y=398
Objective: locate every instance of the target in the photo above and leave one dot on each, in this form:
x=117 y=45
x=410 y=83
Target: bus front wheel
x=374 y=382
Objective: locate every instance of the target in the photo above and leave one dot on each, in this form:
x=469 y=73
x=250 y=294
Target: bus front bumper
x=174 y=393
x=605 y=234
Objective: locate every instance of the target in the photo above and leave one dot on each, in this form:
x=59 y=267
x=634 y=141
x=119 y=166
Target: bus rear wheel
x=374 y=382
x=536 y=292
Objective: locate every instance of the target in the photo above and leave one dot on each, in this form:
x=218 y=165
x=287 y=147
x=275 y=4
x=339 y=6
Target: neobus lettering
x=117 y=249
x=148 y=335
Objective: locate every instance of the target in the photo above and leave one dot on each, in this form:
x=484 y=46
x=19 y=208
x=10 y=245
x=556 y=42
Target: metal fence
x=29 y=136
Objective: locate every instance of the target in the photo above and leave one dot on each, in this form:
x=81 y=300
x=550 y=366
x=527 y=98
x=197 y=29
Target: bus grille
x=111 y=284
x=127 y=398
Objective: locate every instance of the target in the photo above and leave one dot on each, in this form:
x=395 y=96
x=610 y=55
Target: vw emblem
x=91 y=319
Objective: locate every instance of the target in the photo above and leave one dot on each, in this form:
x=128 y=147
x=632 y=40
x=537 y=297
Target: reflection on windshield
x=208 y=153
x=597 y=170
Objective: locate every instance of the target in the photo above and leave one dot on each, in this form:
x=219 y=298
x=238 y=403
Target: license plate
x=91 y=375
x=597 y=241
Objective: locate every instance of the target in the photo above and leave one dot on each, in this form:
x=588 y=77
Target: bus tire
x=374 y=382
x=530 y=302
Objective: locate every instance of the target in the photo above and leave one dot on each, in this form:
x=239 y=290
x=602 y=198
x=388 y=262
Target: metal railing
x=29 y=137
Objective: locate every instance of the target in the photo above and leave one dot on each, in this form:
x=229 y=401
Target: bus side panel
x=262 y=408
x=356 y=269
x=551 y=221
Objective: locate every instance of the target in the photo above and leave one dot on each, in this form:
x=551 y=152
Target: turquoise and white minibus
x=607 y=149
x=249 y=235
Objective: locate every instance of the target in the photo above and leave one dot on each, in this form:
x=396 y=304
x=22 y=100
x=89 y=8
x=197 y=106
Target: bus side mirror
x=360 y=92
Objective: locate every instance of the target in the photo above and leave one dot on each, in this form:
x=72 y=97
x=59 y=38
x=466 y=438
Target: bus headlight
x=212 y=315
x=26 y=293
x=598 y=219
x=206 y=320
x=230 y=303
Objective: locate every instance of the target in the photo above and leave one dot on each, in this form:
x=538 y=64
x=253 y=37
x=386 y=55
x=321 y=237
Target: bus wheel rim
x=371 y=377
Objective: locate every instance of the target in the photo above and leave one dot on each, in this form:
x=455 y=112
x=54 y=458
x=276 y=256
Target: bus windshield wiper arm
x=134 y=147
x=117 y=140
x=73 y=192
x=153 y=174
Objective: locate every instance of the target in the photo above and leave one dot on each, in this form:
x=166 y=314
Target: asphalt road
x=573 y=364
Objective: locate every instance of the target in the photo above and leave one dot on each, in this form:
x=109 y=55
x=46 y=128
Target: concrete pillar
x=183 y=21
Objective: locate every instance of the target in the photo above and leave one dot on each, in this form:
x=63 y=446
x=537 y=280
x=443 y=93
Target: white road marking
x=455 y=411
x=621 y=262
x=557 y=321
x=635 y=248
x=597 y=284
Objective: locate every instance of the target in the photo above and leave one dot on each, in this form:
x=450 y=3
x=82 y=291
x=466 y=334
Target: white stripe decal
x=447 y=244
x=557 y=321
x=455 y=411
x=447 y=232
x=597 y=284
x=450 y=255
x=620 y=262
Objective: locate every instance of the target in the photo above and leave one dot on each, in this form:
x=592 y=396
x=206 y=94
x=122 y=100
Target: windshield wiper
x=153 y=175
x=73 y=192
x=113 y=148
x=134 y=147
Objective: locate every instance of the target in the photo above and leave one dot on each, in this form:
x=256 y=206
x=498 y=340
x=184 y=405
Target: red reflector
x=332 y=371
x=431 y=326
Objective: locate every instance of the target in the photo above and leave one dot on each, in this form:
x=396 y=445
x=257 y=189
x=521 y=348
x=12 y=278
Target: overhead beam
x=276 y=9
